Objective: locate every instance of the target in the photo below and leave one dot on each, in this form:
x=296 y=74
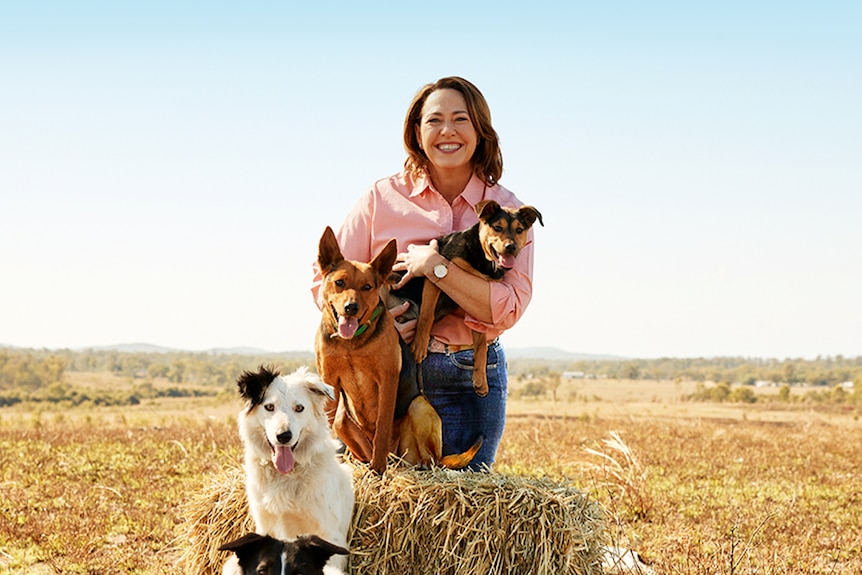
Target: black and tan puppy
x=265 y=555
x=488 y=249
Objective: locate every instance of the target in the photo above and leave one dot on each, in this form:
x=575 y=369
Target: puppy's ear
x=383 y=261
x=252 y=384
x=320 y=550
x=486 y=208
x=328 y=253
x=529 y=215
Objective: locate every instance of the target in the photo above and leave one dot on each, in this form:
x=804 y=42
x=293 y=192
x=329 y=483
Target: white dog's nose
x=284 y=437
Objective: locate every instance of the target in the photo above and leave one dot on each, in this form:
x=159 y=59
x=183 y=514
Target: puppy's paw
x=480 y=384
x=419 y=351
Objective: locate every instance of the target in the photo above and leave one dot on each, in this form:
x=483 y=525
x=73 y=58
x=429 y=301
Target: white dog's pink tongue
x=506 y=261
x=282 y=458
x=347 y=326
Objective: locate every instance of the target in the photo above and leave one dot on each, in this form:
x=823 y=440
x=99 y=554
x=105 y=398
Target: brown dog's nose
x=511 y=247
x=351 y=308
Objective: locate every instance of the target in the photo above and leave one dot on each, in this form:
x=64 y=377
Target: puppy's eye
x=339 y=283
x=366 y=287
x=299 y=408
x=498 y=229
x=519 y=230
x=269 y=407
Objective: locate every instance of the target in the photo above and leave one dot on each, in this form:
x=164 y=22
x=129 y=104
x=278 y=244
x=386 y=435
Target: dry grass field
x=694 y=488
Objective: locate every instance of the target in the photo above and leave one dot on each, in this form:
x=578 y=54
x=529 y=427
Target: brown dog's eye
x=366 y=287
x=339 y=283
x=299 y=408
x=519 y=230
x=498 y=229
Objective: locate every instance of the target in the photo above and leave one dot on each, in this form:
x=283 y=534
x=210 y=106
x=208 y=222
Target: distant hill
x=131 y=348
x=553 y=353
x=546 y=353
x=151 y=348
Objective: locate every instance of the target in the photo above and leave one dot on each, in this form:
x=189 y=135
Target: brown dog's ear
x=529 y=215
x=486 y=208
x=383 y=262
x=328 y=252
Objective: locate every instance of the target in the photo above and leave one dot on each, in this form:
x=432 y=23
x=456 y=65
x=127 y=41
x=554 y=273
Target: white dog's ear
x=317 y=386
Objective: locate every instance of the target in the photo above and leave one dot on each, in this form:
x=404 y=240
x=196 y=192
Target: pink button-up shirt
x=415 y=213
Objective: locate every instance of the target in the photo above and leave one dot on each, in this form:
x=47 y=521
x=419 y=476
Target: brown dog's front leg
x=352 y=435
x=419 y=345
x=383 y=438
x=480 y=364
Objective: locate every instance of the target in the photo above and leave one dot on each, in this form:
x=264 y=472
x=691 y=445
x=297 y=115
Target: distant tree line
x=37 y=375
x=33 y=369
x=825 y=371
x=724 y=392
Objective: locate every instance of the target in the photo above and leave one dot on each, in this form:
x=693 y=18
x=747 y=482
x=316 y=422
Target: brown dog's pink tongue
x=347 y=326
x=282 y=458
x=506 y=261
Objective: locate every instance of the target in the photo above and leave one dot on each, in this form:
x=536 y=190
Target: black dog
x=488 y=249
x=265 y=555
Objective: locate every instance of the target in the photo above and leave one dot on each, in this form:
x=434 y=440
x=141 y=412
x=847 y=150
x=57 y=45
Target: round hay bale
x=438 y=521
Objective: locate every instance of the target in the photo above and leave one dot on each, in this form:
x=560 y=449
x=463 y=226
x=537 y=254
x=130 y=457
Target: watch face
x=440 y=271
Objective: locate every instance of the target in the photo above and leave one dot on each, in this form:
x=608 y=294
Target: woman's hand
x=407 y=329
x=417 y=261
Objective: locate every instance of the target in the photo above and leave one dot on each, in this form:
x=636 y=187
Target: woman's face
x=445 y=131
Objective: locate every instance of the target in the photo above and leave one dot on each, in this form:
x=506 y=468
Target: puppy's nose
x=284 y=437
x=511 y=248
x=351 y=309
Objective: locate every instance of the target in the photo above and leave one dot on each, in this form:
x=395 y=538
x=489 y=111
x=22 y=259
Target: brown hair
x=487 y=159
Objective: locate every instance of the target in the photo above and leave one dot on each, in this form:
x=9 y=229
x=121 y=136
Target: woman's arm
x=471 y=292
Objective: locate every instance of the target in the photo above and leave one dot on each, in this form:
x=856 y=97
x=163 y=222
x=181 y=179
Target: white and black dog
x=265 y=555
x=294 y=481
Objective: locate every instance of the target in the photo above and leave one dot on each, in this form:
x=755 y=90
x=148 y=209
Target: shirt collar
x=473 y=193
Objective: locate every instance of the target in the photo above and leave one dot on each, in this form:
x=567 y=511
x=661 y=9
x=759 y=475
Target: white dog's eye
x=298 y=408
x=269 y=407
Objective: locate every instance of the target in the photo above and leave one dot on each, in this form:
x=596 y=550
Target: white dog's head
x=284 y=415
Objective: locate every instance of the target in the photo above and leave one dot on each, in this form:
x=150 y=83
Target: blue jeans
x=447 y=380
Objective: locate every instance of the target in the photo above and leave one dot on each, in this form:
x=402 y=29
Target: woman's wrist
x=439 y=269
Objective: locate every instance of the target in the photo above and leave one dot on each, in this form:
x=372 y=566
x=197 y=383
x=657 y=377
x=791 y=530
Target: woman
x=453 y=162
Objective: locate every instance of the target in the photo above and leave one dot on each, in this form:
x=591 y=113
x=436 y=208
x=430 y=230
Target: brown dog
x=358 y=353
x=487 y=249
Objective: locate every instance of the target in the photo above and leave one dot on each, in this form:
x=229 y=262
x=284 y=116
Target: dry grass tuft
x=411 y=521
x=619 y=469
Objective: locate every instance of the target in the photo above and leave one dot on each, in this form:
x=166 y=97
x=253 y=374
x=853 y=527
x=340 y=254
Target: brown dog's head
x=351 y=290
x=503 y=231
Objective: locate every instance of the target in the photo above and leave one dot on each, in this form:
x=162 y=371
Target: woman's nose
x=447 y=127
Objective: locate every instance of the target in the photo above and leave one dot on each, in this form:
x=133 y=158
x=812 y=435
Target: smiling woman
x=453 y=164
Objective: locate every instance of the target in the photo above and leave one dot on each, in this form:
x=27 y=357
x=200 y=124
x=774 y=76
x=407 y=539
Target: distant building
x=573 y=375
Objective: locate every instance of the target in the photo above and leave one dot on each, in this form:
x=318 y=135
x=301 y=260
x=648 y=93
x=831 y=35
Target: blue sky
x=166 y=169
